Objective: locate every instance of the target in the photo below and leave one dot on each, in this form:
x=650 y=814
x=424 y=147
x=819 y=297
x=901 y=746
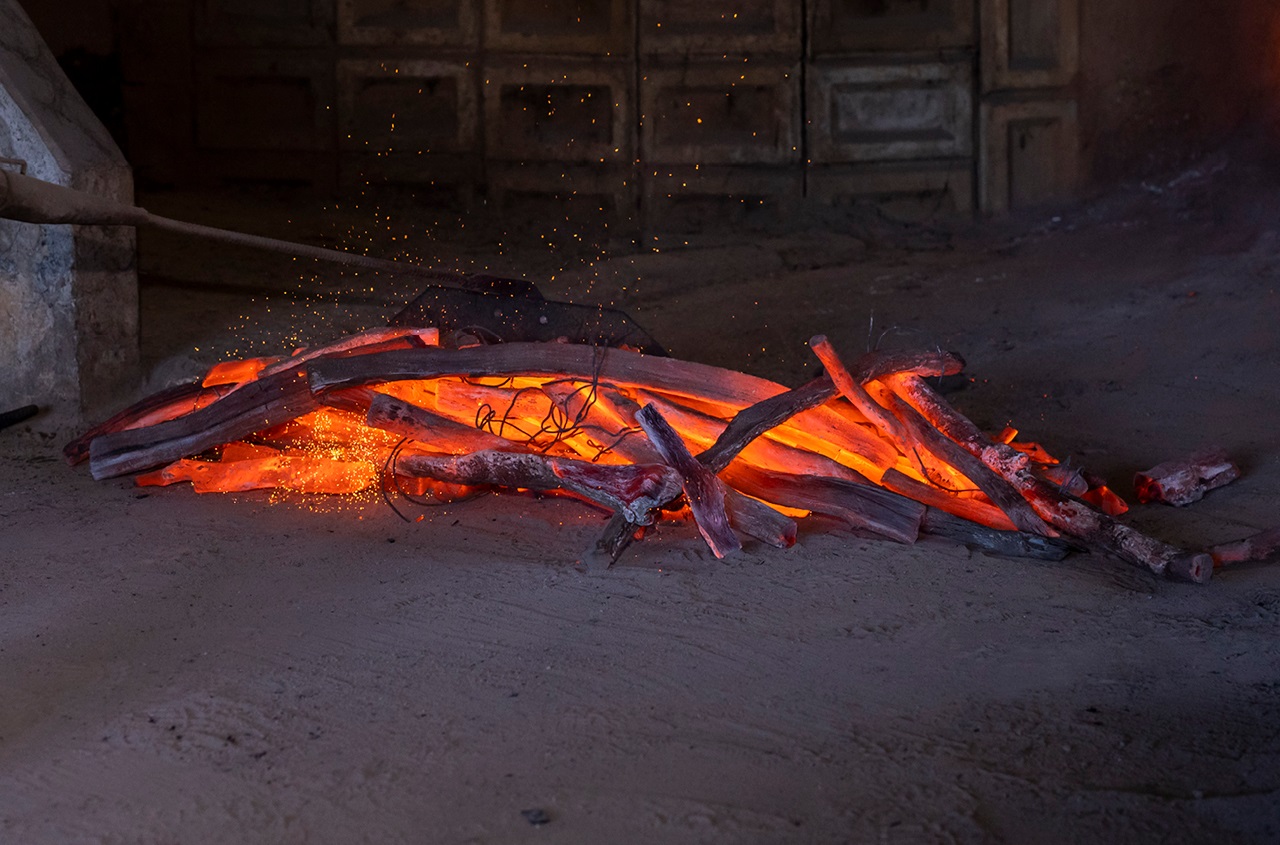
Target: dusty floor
x=227 y=669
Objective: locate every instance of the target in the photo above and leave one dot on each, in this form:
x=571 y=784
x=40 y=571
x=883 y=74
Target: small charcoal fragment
x=536 y=817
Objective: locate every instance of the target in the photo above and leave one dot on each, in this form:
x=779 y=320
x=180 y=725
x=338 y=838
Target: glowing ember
x=390 y=410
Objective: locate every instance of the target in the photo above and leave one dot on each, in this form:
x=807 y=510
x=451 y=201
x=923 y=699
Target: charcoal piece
x=536 y=816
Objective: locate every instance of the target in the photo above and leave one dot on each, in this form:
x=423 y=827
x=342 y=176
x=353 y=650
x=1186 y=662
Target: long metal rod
x=32 y=200
x=320 y=253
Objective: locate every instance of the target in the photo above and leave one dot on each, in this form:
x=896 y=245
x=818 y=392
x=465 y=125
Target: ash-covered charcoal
x=509 y=318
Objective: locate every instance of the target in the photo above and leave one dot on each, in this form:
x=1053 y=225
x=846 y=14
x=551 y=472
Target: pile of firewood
x=870 y=443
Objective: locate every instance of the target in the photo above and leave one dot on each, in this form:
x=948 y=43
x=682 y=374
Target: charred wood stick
x=1020 y=544
x=701 y=429
x=369 y=340
x=632 y=490
x=256 y=406
x=1072 y=517
x=756 y=419
x=1096 y=530
x=606 y=416
x=770 y=413
x=970 y=509
x=162 y=406
x=182 y=399
x=354 y=399
x=705 y=492
x=997 y=489
x=904 y=425
x=851 y=389
x=756 y=519
x=439 y=433
x=751 y=517
x=1186 y=480
x=1000 y=457
x=546 y=360
x=617 y=535
x=1259 y=547
x=862 y=506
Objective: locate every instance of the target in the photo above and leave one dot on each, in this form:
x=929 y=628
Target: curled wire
x=390 y=481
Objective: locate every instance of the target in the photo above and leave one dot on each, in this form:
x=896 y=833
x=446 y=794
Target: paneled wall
x=648 y=109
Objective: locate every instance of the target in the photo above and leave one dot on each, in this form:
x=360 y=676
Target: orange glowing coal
x=393 y=412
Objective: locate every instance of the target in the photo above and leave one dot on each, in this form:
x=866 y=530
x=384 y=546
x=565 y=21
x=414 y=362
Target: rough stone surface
x=68 y=294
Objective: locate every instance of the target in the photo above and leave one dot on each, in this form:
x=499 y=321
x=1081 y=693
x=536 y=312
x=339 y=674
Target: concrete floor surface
x=183 y=668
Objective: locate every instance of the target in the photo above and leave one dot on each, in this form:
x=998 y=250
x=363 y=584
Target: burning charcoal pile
x=644 y=437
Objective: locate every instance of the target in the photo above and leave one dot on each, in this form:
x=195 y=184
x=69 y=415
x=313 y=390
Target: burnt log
x=256 y=406
x=1259 y=547
x=906 y=427
x=1074 y=518
x=704 y=492
x=634 y=490
x=440 y=434
x=1019 y=544
x=966 y=507
x=861 y=506
x=756 y=519
x=547 y=360
x=1186 y=480
x=162 y=406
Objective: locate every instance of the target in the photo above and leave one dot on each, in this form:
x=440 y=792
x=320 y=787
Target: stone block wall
x=68 y=294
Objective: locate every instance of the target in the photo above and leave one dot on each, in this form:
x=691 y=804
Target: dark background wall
x=1162 y=79
x=1158 y=81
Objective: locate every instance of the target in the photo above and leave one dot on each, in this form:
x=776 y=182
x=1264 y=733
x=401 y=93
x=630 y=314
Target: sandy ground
x=179 y=668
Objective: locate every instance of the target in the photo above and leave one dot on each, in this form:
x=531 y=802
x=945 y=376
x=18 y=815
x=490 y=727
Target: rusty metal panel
x=1029 y=153
x=598 y=27
x=870 y=112
x=264 y=100
x=721 y=113
x=430 y=23
x=1029 y=43
x=844 y=26
x=720 y=26
x=558 y=109
x=408 y=106
x=254 y=23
